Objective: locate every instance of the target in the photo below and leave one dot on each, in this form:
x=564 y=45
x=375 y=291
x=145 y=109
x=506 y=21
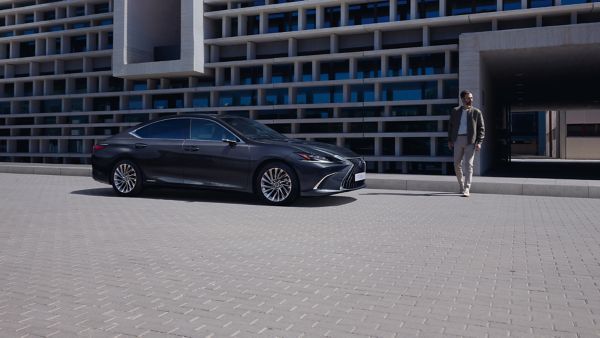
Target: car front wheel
x=277 y=184
x=126 y=178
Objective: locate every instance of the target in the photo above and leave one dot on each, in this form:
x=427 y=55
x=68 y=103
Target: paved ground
x=77 y=261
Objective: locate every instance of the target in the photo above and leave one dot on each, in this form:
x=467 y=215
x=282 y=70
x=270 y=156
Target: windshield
x=252 y=129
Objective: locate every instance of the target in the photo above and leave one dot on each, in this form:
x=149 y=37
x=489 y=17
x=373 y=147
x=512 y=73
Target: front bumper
x=336 y=179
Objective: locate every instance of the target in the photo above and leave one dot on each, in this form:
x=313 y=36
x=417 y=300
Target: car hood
x=317 y=148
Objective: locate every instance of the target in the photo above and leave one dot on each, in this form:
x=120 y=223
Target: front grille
x=358 y=166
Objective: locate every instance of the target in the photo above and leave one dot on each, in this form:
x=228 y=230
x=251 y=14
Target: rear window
x=173 y=129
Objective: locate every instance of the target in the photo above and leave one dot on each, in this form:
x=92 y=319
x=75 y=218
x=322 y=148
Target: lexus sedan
x=224 y=152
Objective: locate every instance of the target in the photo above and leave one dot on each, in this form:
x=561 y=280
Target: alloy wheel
x=125 y=178
x=276 y=185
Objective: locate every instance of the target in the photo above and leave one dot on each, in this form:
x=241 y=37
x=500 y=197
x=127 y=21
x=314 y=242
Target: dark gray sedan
x=224 y=152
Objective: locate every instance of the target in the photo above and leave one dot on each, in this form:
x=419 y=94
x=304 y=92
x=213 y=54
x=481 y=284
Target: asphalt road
x=77 y=261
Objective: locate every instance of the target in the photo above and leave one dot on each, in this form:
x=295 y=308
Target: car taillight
x=98 y=147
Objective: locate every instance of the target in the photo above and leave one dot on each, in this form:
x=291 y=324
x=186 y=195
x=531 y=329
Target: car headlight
x=315 y=158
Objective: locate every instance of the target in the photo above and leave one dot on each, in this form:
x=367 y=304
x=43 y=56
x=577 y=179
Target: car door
x=159 y=150
x=212 y=162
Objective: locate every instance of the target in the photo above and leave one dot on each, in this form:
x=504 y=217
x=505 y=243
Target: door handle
x=191 y=148
x=140 y=145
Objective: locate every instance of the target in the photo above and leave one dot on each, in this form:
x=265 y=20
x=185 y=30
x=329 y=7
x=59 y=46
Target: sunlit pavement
x=77 y=261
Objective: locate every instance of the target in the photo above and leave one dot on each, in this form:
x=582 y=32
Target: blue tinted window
x=571 y=2
x=332 y=17
x=175 y=129
x=334 y=70
x=201 y=100
x=277 y=96
x=283 y=22
x=135 y=102
x=368 y=68
x=539 y=3
x=311 y=19
x=403 y=10
x=282 y=73
x=394 y=66
x=319 y=95
x=237 y=98
x=251 y=75
x=362 y=93
x=409 y=91
x=368 y=13
x=206 y=130
x=428 y=8
x=426 y=64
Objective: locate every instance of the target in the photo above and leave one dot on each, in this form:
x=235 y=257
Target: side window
x=206 y=130
x=174 y=129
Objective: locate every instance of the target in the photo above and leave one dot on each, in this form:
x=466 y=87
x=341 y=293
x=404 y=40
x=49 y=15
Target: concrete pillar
x=442 y=7
x=413 y=9
x=393 y=10
x=301 y=19
x=344 y=14
x=377 y=40
x=320 y=17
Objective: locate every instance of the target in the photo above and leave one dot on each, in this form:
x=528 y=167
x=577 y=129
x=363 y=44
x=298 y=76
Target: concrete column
x=432 y=147
x=297 y=71
x=447 y=61
x=301 y=18
x=320 y=17
x=523 y=4
x=264 y=24
x=333 y=44
x=267 y=73
x=377 y=92
x=425 y=36
x=562 y=134
x=377 y=40
x=352 y=65
x=384 y=65
x=250 y=50
x=226 y=26
x=242 y=23
x=344 y=14
x=499 y=5
x=316 y=69
x=404 y=64
x=413 y=9
x=393 y=10
x=292 y=47
x=442 y=7
x=398 y=146
x=235 y=75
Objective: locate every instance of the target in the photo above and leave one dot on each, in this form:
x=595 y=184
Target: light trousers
x=464 y=154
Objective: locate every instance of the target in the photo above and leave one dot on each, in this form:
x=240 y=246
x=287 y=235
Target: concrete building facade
x=378 y=77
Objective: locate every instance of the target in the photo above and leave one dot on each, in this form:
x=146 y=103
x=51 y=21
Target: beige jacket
x=475 y=125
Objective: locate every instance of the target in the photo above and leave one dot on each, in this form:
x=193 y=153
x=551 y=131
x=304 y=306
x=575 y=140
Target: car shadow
x=215 y=196
x=431 y=194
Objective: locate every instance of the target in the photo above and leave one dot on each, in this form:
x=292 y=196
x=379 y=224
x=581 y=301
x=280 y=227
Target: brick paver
x=77 y=261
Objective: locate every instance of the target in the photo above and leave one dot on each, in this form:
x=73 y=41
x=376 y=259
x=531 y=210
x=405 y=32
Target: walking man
x=465 y=134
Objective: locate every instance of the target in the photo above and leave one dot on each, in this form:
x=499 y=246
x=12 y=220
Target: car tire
x=277 y=184
x=126 y=178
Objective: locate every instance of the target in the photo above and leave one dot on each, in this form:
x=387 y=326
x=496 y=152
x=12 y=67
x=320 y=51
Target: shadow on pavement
x=215 y=196
x=431 y=194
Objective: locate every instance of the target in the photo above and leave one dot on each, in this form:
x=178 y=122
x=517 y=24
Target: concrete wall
x=473 y=74
x=151 y=23
x=141 y=25
x=583 y=148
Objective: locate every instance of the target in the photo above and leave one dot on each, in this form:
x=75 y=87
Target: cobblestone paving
x=77 y=261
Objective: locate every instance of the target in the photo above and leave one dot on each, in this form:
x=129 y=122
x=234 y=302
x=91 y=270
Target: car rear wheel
x=126 y=178
x=277 y=184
